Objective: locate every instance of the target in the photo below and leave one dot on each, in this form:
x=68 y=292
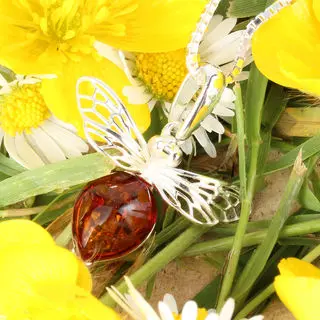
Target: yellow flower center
x=23 y=109
x=162 y=73
x=202 y=314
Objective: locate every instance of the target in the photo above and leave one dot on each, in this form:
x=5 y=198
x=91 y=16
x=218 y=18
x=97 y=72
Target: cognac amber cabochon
x=113 y=216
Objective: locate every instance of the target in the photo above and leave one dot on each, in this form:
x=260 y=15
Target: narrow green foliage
x=247 y=8
x=57 y=176
x=161 y=259
x=252 y=239
x=310 y=148
x=268 y=291
x=260 y=257
x=274 y=106
x=8 y=74
x=9 y=167
x=207 y=297
x=249 y=124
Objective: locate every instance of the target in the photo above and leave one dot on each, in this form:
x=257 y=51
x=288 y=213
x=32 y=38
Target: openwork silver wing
x=109 y=127
x=199 y=198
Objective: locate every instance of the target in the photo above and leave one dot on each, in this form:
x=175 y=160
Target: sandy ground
x=185 y=277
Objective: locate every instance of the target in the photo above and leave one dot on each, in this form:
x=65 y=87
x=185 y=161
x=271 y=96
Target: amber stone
x=113 y=216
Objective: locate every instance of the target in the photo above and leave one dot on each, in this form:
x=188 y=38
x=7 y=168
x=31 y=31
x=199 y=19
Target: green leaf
x=61 y=175
x=9 y=167
x=246 y=8
x=8 y=74
x=307 y=199
x=258 y=260
x=309 y=148
x=150 y=286
x=207 y=297
x=256 y=90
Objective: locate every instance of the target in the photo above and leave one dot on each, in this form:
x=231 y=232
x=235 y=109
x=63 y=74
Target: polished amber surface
x=113 y=216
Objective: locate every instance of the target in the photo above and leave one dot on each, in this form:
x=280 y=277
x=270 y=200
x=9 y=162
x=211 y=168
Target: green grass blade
x=246 y=8
x=9 y=167
x=260 y=257
x=310 y=148
x=57 y=176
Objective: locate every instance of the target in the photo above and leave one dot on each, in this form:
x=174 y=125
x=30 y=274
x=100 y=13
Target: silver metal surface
x=199 y=198
x=205 y=99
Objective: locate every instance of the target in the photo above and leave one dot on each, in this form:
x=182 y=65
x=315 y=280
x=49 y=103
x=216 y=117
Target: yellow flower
x=59 y=37
x=298 y=287
x=42 y=281
x=286 y=48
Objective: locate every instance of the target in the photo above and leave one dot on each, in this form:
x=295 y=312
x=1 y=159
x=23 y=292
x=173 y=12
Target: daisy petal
x=45 y=145
x=170 y=301
x=227 y=310
x=215 y=21
x=212 y=316
x=212 y=124
x=20 y=150
x=69 y=142
x=151 y=104
x=219 y=32
x=224 y=50
x=202 y=136
x=187 y=146
x=257 y=318
x=3 y=81
x=165 y=312
x=221 y=110
x=189 y=311
x=145 y=307
x=228 y=96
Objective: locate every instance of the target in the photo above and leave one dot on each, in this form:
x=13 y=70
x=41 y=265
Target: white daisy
x=158 y=76
x=139 y=309
x=31 y=134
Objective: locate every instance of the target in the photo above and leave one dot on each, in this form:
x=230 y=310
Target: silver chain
x=209 y=78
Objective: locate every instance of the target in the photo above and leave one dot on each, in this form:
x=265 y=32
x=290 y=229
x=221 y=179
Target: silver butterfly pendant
x=200 y=199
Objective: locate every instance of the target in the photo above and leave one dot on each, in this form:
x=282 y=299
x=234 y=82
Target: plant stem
x=252 y=239
x=160 y=260
x=267 y=292
x=254 y=102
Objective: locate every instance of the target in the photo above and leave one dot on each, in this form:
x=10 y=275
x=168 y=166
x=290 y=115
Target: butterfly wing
x=108 y=126
x=199 y=198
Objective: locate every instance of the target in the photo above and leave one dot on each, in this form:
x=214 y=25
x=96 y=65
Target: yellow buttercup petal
x=150 y=25
x=24 y=232
x=92 y=309
x=42 y=36
x=60 y=93
x=300 y=295
x=286 y=56
x=84 y=279
x=37 y=267
x=298 y=268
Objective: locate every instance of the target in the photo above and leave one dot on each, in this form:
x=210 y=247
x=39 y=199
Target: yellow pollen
x=23 y=109
x=162 y=73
